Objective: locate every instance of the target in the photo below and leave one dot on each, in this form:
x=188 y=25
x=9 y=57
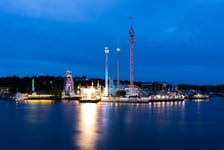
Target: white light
x=106 y=50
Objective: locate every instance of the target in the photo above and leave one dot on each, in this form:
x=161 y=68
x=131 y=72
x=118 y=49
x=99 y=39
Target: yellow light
x=90 y=93
x=41 y=101
x=87 y=126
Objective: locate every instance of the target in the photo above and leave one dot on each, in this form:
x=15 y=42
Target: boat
x=89 y=100
x=70 y=96
x=34 y=95
x=166 y=97
x=20 y=97
x=90 y=94
x=198 y=96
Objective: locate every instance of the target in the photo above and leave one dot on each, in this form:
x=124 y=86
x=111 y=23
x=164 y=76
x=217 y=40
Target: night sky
x=177 y=41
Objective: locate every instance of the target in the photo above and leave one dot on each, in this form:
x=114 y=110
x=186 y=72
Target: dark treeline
x=44 y=84
x=24 y=84
x=52 y=84
x=213 y=89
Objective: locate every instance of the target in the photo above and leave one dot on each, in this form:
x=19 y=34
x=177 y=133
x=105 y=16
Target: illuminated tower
x=33 y=87
x=106 y=50
x=118 y=68
x=131 y=41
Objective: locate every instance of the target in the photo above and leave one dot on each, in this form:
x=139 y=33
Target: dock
x=141 y=99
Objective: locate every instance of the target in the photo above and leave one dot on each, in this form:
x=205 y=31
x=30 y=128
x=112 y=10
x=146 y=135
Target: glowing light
x=106 y=50
x=87 y=127
x=40 y=101
x=90 y=93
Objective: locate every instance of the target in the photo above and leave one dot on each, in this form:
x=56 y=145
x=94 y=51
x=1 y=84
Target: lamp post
x=106 y=50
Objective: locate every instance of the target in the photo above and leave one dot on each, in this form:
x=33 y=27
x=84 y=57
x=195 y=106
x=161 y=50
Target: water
x=67 y=125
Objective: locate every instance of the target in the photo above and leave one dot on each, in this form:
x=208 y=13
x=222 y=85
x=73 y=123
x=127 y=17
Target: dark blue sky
x=178 y=41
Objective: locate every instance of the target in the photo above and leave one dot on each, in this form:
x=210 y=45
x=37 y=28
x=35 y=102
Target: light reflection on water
x=97 y=121
x=164 y=105
x=39 y=101
x=33 y=109
x=89 y=126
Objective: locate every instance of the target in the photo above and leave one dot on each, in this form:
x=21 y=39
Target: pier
x=140 y=99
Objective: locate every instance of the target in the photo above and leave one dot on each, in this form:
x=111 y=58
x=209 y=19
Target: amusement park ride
x=68 y=91
x=86 y=94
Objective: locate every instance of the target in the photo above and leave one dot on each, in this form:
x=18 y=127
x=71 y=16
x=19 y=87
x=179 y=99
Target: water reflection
x=167 y=105
x=38 y=111
x=87 y=127
x=162 y=112
x=39 y=101
x=200 y=100
x=70 y=101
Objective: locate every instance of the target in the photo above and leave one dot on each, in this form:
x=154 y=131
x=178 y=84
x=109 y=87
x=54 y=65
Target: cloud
x=208 y=1
x=78 y=10
x=28 y=67
x=32 y=66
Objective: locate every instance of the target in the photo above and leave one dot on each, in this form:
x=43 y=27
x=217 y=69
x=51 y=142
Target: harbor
x=93 y=91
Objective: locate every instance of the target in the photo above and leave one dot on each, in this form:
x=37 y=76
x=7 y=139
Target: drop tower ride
x=131 y=41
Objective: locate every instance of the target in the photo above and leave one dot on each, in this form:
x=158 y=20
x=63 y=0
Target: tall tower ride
x=106 y=50
x=131 y=41
x=118 y=68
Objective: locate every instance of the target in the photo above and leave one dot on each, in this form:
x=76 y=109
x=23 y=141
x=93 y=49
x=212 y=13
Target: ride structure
x=68 y=90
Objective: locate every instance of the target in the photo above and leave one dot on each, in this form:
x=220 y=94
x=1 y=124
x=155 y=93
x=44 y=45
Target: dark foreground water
x=111 y=126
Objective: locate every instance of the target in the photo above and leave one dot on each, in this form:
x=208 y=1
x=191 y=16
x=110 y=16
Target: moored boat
x=89 y=100
x=90 y=94
x=166 y=96
x=20 y=97
x=198 y=96
x=34 y=95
